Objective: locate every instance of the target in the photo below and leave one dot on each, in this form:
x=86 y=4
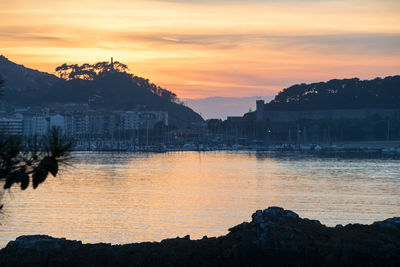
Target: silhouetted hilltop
x=19 y=78
x=110 y=88
x=340 y=94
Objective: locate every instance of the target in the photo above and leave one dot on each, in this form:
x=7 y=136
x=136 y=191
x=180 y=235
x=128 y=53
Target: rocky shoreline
x=274 y=237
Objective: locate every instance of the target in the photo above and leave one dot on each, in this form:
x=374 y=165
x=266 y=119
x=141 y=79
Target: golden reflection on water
x=131 y=197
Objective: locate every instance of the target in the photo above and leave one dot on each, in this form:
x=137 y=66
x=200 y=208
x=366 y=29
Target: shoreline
x=273 y=237
x=384 y=146
x=339 y=151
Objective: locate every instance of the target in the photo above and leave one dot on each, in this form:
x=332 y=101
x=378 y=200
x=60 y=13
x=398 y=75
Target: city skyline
x=210 y=48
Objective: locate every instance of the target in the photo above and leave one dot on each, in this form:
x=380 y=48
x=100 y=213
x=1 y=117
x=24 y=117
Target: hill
x=340 y=94
x=118 y=90
x=20 y=79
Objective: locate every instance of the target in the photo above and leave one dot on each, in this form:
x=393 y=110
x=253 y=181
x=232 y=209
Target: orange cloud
x=203 y=48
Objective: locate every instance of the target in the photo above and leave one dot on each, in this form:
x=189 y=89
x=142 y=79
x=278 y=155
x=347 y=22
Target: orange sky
x=201 y=48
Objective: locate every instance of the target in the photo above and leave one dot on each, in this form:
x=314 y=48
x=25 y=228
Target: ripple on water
x=131 y=197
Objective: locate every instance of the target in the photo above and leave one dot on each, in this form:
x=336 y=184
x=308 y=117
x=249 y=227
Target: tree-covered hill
x=340 y=94
x=19 y=78
x=118 y=89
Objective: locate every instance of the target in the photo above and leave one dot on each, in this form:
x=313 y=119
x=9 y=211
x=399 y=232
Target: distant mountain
x=340 y=94
x=221 y=107
x=118 y=91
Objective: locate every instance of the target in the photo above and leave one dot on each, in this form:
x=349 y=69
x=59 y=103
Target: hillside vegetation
x=340 y=94
x=118 y=89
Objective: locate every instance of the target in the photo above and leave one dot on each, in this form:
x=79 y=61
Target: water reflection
x=130 y=197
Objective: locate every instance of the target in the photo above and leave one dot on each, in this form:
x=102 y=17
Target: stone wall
x=335 y=114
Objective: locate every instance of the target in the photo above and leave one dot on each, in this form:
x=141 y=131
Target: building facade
x=11 y=126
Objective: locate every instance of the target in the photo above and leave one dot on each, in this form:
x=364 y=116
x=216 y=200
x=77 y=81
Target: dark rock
x=389 y=223
x=291 y=214
x=40 y=242
x=258 y=216
x=242 y=226
x=313 y=221
x=274 y=237
x=273 y=212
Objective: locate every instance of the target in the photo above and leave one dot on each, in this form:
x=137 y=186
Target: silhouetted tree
x=32 y=159
x=104 y=69
x=337 y=94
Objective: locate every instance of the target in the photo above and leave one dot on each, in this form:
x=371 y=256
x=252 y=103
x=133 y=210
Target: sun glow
x=205 y=48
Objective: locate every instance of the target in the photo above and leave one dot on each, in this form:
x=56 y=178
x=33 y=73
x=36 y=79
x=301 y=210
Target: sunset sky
x=201 y=48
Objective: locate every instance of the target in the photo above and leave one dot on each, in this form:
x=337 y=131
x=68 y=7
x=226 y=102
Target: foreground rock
x=274 y=237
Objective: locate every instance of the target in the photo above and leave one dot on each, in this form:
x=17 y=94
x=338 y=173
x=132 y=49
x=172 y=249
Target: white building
x=76 y=124
x=11 y=125
x=130 y=120
x=34 y=125
x=134 y=120
x=57 y=121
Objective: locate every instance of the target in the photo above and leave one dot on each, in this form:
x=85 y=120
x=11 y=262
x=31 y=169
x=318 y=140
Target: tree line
x=99 y=70
x=340 y=94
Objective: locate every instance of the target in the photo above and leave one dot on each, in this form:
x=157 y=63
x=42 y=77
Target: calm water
x=126 y=197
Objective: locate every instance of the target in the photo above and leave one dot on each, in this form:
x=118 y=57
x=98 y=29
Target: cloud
x=375 y=43
x=239 y=1
x=215 y=2
x=347 y=43
x=209 y=47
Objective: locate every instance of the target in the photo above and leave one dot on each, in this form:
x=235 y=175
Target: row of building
x=314 y=126
x=78 y=121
